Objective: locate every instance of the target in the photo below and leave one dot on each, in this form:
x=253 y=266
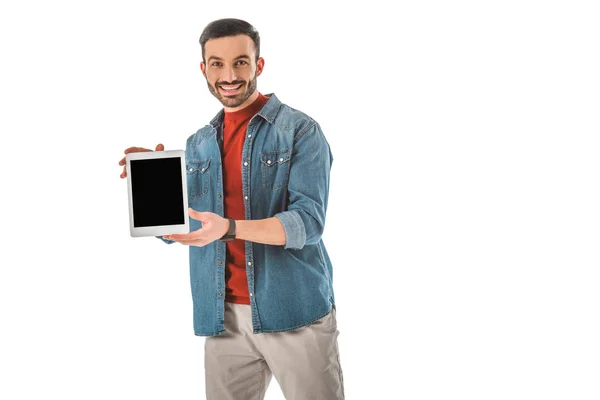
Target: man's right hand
x=159 y=147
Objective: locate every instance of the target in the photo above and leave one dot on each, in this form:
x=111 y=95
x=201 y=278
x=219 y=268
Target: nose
x=229 y=75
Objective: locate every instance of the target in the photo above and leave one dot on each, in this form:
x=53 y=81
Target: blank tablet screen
x=157 y=194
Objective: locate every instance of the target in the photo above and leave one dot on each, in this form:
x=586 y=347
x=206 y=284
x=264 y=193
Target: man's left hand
x=213 y=228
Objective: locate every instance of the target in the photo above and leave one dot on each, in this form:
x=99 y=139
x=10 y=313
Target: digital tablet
x=158 y=200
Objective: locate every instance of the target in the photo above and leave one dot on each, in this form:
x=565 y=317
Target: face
x=231 y=70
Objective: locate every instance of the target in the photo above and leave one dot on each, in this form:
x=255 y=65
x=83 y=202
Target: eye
x=241 y=61
x=214 y=64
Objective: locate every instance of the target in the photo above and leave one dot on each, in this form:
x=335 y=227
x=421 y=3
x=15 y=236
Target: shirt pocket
x=198 y=174
x=275 y=168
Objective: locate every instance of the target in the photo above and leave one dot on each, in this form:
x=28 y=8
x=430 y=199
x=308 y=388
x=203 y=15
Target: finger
x=191 y=242
x=198 y=243
x=124 y=173
x=186 y=237
x=178 y=238
x=160 y=147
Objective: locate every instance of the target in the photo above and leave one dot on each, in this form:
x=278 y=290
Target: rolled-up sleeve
x=308 y=189
x=295 y=231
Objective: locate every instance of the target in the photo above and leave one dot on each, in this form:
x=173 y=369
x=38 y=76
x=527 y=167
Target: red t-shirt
x=234 y=133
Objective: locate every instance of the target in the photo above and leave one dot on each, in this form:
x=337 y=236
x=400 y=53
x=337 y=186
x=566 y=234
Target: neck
x=245 y=104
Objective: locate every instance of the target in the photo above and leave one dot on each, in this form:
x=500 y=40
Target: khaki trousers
x=239 y=364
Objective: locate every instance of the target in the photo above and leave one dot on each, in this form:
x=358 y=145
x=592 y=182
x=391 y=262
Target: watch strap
x=230 y=234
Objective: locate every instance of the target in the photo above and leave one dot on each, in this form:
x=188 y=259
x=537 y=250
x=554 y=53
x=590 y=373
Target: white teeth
x=231 y=87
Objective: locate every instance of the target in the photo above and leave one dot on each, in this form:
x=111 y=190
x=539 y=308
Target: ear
x=203 y=68
x=260 y=64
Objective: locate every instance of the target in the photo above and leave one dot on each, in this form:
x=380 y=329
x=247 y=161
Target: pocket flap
x=272 y=158
x=197 y=166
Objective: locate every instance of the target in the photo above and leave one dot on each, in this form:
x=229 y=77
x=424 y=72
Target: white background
x=463 y=221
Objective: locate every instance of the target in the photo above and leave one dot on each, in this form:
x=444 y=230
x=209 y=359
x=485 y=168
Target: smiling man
x=261 y=278
x=234 y=90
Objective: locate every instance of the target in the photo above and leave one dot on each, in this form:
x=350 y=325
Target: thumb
x=197 y=215
x=160 y=147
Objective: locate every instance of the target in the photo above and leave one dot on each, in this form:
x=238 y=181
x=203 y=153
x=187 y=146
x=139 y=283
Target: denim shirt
x=286 y=164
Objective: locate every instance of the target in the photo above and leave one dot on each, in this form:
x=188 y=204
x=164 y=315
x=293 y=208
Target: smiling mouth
x=230 y=89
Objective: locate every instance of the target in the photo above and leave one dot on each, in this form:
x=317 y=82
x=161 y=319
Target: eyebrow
x=237 y=58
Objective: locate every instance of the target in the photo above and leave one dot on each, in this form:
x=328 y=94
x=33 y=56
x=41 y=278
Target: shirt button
x=220 y=294
x=249 y=135
x=191 y=169
x=246 y=163
x=250 y=293
x=220 y=262
x=268 y=161
x=246 y=197
x=280 y=160
x=203 y=168
x=249 y=263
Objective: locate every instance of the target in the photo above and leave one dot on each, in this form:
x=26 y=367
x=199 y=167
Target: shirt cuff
x=295 y=231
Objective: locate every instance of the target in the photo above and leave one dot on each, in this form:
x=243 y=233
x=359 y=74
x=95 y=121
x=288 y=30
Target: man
x=258 y=183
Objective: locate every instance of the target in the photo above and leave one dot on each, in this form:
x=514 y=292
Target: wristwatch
x=230 y=235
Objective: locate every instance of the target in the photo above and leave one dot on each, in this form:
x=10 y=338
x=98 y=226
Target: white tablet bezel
x=158 y=230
